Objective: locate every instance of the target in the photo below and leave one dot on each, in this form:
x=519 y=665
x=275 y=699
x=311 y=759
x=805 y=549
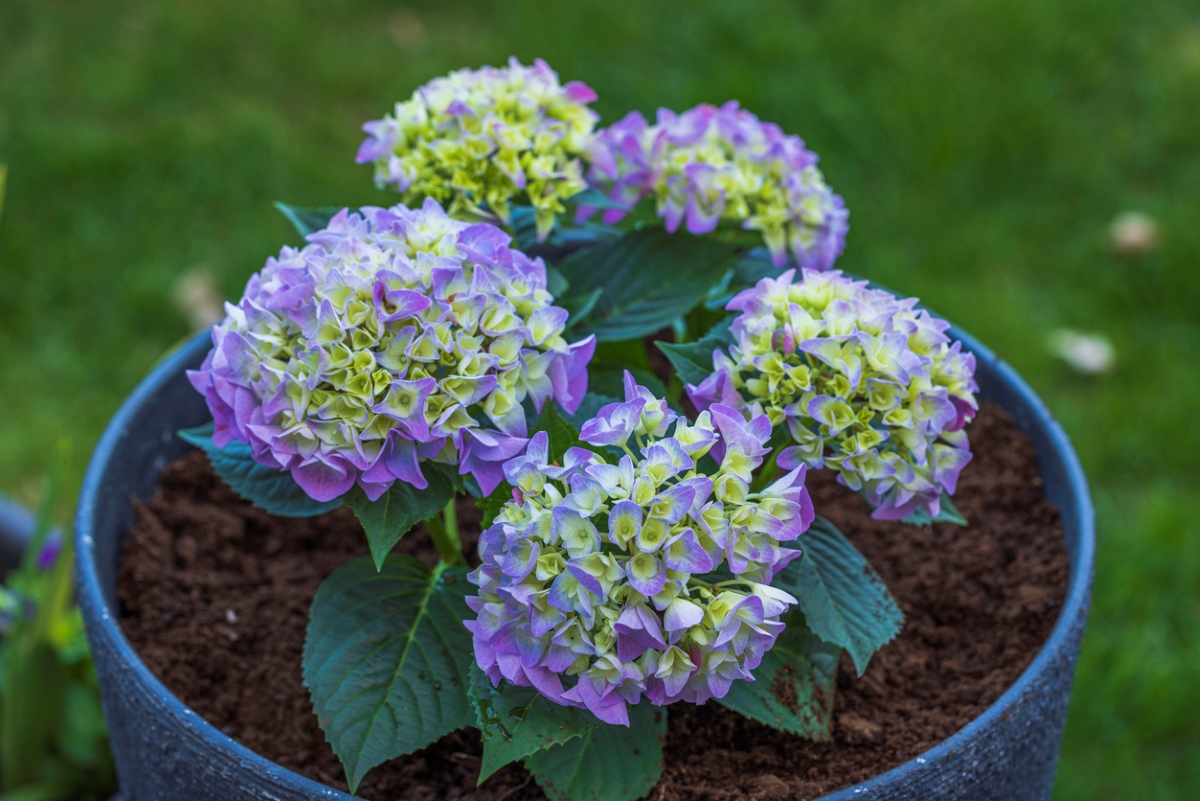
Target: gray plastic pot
x=166 y=752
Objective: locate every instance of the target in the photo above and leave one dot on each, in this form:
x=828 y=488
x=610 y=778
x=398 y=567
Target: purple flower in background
x=867 y=385
x=593 y=584
x=710 y=164
x=51 y=549
x=396 y=336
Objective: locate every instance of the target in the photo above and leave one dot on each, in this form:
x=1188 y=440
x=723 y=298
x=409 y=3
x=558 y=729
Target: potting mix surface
x=215 y=596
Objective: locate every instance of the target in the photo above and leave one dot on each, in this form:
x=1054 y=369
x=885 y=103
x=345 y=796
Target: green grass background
x=983 y=147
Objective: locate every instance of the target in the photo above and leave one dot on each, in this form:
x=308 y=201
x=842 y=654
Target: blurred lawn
x=983 y=146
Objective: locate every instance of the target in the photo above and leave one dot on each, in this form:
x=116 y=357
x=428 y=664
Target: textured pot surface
x=165 y=752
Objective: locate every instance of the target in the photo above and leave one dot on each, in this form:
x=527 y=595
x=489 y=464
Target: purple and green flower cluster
x=479 y=139
x=397 y=335
x=646 y=578
x=711 y=164
x=867 y=385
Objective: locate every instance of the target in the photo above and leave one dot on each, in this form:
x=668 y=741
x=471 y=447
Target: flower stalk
x=443 y=530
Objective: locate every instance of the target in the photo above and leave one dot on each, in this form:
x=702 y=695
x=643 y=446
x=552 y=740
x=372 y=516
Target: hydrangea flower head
x=867 y=385
x=597 y=581
x=710 y=164
x=396 y=335
x=478 y=139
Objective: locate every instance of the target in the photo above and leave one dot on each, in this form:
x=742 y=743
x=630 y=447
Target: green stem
x=766 y=474
x=443 y=531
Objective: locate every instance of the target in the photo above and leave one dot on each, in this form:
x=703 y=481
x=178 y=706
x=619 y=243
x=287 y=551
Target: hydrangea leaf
x=649 y=278
x=563 y=434
x=842 y=597
x=631 y=354
x=519 y=721
x=395 y=512
x=523 y=225
x=693 y=361
x=606 y=373
x=793 y=687
x=580 y=307
x=608 y=379
x=948 y=514
x=556 y=283
x=268 y=488
x=748 y=271
x=387 y=659
x=307 y=221
x=491 y=505
x=462 y=484
x=607 y=763
x=596 y=199
x=591 y=403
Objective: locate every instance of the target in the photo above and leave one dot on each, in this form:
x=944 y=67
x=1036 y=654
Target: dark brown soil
x=216 y=595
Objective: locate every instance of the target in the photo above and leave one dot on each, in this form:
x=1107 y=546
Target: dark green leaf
x=390 y=517
x=563 y=434
x=492 y=504
x=592 y=402
x=582 y=235
x=793 y=687
x=606 y=373
x=519 y=721
x=628 y=354
x=693 y=361
x=649 y=278
x=387 y=659
x=609 y=380
x=308 y=221
x=265 y=487
x=842 y=597
x=556 y=283
x=580 y=307
x=948 y=514
x=449 y=472
x=747 y=272
x=523 y=226
x=608 y=763
x=596 y=199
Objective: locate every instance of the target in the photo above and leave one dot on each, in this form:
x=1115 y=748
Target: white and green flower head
x=866 y=384
x=395 y=336
x=480 y=140
x=602 y=583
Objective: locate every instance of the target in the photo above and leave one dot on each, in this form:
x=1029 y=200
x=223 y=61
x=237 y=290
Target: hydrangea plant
x=865 y=383
x=712 y=164
x=630 y=557
x=480 y=139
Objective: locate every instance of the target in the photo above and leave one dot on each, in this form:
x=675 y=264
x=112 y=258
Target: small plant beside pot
x=53 y=741
x=645 y=543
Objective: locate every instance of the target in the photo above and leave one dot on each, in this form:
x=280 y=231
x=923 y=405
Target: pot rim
x=186 y=353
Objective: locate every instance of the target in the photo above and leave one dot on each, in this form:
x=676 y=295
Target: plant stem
x=443 y=531
x=766 y=474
